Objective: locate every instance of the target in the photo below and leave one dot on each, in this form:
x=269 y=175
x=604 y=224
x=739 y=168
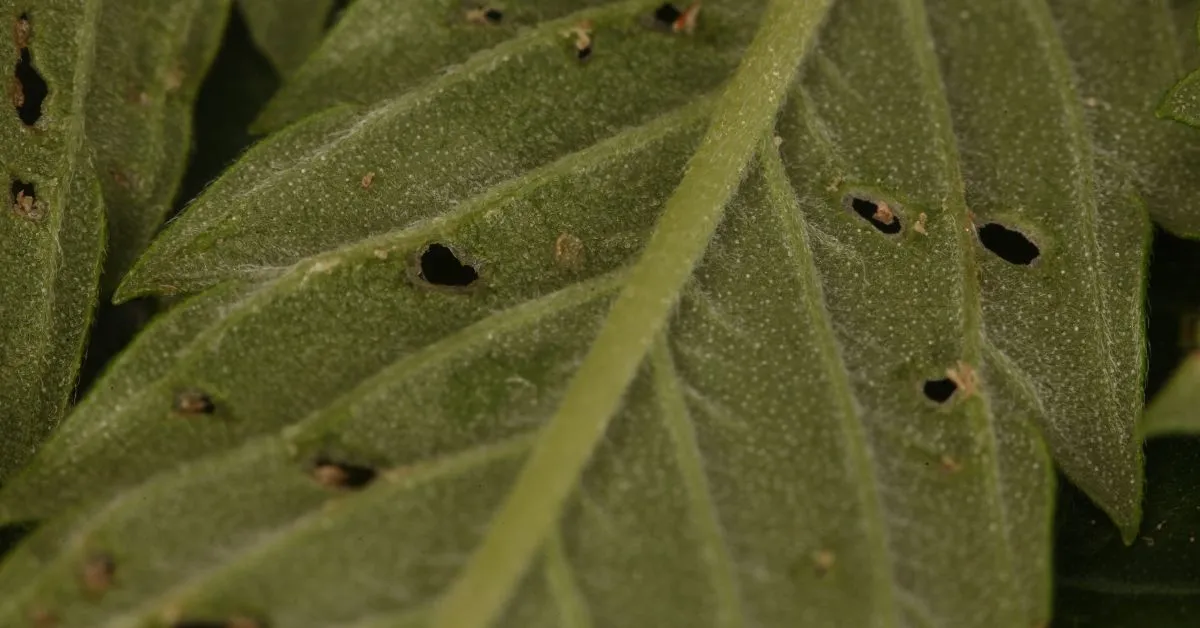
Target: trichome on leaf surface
x=601 y=313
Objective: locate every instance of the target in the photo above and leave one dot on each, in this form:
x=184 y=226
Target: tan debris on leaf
x=26 y=206
x=569 y=252
x=367 y=180
x=963 y=375
x=484 y=15
x=582 y=33
x=330 y=475
x=823 y=561
x=950 y=465
x=98 y=572
x=884 y=213
x=920 y=226
x=193 y=403
x=686 y=23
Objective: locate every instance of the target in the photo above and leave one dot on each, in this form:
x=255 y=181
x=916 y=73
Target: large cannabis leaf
x=128 y=73
x=497 y=292
x=287 y=30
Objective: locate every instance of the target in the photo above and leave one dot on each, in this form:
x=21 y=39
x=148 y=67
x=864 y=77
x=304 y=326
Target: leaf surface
x=287 y=30
x=151 y=56
x=628 y=418
x=52 y=227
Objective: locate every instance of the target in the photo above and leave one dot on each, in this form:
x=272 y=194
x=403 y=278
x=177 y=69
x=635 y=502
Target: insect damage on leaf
x=340 y=475
x=29 y=89
x=581 y=35
x=878 y=213
x=25 y=202
x=191 y=403
x=484 y=15
x=440 y=266
x=98 y=573
x=1010 y=245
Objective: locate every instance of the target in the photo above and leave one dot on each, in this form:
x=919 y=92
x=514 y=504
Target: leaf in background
x=52 y=226
x=826 y=421
x=288 y=30
x=1155 y=582
x=151 y=56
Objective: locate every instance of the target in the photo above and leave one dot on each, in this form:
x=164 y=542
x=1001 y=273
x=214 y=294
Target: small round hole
x=939 y=390
x=1010 y=245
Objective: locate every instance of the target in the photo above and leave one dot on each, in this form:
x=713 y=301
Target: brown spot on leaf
x=367 y=180
x=193 y=403
x=964 y=377
x=950 y=465
x=919 y=227
x=22 y=30
x=98 y=573
x=337 y=475
x=569 y=252
x=823 y=561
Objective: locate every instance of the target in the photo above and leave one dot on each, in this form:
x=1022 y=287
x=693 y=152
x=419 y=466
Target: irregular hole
x=940 y=390
x=441 y=267
x=30 y=89
x=1012 y=246
x=193 y=403
x=879 y=214
x=666 y=14
x=12 y=534
x=341 y=475
x=24 y=199
x=485 y=15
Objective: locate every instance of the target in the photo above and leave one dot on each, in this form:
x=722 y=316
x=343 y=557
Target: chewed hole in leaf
x=485 y=15
x=341 y=475
x=441 y=267
x=193 y=403
x=939 y=390
x=1012 y=246
x=11 y=534
x=666 y=14
x=98 y=573
x=29 y=88
x=878 y=213
x=24 y=200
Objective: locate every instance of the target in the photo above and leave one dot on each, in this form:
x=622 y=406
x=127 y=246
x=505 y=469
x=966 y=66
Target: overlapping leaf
x=599 y=430
x=151 y=56
x=287 y=30
x=52 y=227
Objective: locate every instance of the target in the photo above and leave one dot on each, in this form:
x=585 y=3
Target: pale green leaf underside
x=52 y=258
x=286 y=30
x=151 y=56
x=776 y=422
x=1176 y=408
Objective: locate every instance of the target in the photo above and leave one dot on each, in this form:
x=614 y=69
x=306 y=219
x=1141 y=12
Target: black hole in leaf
x=494 y=16
x=880 y=215
x=441 y=267
x=940 y=390
x=585 y=53
x=13 y=533
x=1012 y=246
x=342 y=475
x=666 y=14
x=31 y=89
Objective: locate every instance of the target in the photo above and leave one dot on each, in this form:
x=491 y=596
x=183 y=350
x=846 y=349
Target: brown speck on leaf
x=484 y=15
x=98 y=572
x=686 y=23
x=174 y=79
x=569 y=252
x=963 y=375
x=26 y=206
x=823 y=561
x=884 y=214
x=330 y=475
x=920 y=226
x=21 y=32
x=367 y=180
x=43 y=618
x=582 y=33
x=193 y=403
x=950 y=465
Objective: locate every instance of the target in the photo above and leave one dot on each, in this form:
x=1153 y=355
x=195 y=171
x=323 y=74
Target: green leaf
x=627 y=417
x=287 y=30
x=151 y=56
x=52 y=227
x=1176 y=408
x=1102 y=583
